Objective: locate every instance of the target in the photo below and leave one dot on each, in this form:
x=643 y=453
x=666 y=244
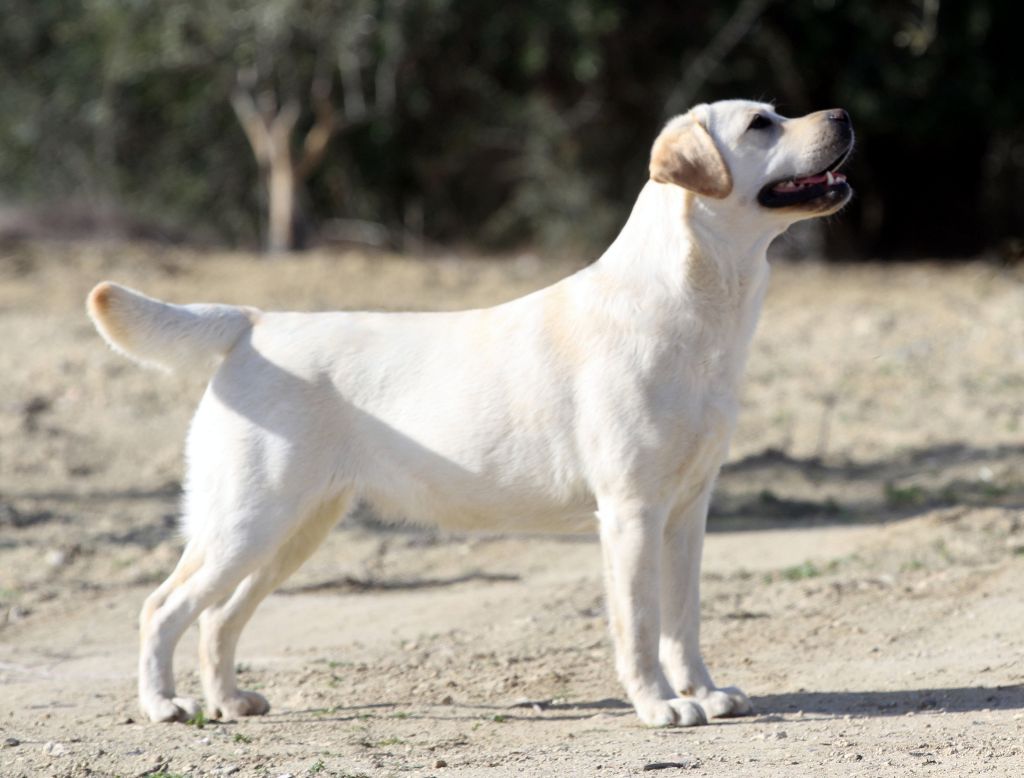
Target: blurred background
x=440 y=154
x=492 y=126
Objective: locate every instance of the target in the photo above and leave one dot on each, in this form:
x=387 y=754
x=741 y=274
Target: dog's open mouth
x=829 y=183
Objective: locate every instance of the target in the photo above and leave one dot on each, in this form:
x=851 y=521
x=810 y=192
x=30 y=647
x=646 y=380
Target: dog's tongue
x=807 y=180
x=795 y=183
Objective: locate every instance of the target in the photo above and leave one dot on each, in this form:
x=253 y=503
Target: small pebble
x=56 y=557
x=11 y=742
x=440 y=763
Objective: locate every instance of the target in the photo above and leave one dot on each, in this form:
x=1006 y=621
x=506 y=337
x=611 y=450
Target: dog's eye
x=759 y=122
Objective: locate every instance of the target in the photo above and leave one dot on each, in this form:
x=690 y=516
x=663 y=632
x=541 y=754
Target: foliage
x=505 y=123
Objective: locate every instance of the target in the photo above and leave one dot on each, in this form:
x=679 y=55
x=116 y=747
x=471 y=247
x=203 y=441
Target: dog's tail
x=163 y=335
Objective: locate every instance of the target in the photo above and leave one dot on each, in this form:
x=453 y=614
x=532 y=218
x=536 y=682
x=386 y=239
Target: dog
x=611 y=395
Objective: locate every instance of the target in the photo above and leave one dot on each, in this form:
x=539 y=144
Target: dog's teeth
x=829 y=178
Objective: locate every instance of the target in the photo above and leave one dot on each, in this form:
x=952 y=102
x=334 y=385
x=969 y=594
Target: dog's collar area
x=803 y=189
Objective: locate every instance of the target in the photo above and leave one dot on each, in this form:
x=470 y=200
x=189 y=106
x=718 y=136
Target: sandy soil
x=863 y=574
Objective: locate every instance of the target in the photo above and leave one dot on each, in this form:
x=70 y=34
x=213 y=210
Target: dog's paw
x=240 y=704
x=725 y=703
x=170 y=708
x=675 y=712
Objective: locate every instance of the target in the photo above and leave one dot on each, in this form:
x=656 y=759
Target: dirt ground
x=864 y=571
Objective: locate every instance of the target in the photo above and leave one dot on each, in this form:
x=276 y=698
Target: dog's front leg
x=630 y=538
x=680 y=616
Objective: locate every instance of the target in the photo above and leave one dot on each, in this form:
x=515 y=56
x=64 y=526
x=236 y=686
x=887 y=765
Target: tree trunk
x=280 y=182
x=269 y=130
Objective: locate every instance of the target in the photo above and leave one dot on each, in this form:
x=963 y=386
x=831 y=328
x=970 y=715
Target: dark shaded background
x=496 y=125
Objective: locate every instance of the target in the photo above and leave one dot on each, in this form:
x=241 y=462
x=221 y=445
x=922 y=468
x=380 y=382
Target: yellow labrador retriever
x=612 y=394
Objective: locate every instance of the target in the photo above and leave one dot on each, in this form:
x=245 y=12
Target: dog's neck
x=691 y=250
x=738 y=241
x=693 y=273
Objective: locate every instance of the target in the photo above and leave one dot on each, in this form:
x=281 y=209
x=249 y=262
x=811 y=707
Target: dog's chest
x=697 y=407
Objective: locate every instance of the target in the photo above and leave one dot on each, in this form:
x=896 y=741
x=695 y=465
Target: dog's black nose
x=839 y=115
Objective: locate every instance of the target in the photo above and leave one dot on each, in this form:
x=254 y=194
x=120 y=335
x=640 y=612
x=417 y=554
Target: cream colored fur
x=612 y=394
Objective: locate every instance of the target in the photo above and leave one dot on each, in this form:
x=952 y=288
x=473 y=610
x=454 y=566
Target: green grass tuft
x=802 y=571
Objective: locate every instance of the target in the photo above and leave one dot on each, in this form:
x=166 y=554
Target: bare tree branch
x=281 y=126
x=253 y=126
x=315 y=144
x=270 y=125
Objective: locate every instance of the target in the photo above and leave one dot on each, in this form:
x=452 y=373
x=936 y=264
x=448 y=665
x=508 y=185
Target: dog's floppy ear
x=685 y=154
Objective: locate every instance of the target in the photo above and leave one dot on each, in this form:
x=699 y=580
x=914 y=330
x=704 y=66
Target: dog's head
x=742 y=152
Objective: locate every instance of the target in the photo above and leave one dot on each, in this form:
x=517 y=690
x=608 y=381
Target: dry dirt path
x=864 y=576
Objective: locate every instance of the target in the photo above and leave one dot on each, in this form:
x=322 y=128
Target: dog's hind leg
x=168 y=612
x=213 y=564
x=156 y=675
x=190 y=561
x=221 y=625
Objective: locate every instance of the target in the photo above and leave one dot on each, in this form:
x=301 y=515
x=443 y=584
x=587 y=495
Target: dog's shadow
x=855 y=704
x=820 y=704
x=528 y=710
x=962 y=699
